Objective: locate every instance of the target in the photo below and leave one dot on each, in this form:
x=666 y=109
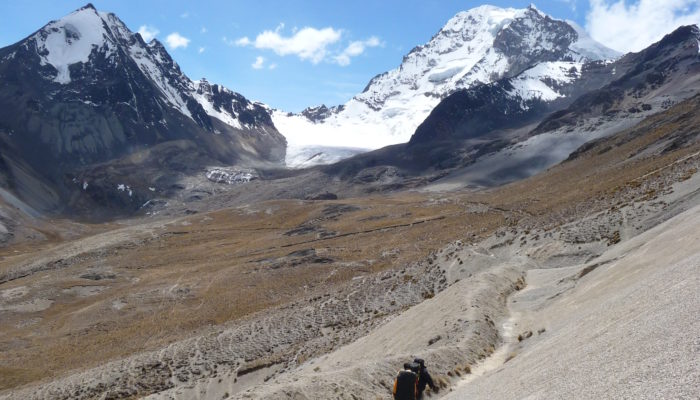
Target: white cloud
x=258 y=64
x=354 y=49
x=201 y=50
x=307 y=43
x=148 y=33
x=244 y=41
x=185 y=15
x=634 y=26
x=175 y=40
x=203 y=30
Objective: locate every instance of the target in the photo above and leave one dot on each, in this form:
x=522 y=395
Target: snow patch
x=70 y=40
x=125 y=188
x=150 y=67
x=118 y=304
x=308 y=156
x=438 y=77
x=231 y=176
x=203 y=97
x=537 y=82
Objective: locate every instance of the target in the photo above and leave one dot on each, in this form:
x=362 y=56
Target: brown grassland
x=165 y=280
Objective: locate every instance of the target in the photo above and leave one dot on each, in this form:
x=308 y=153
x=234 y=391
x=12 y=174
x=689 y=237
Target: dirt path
x=520 y=323
x=452 y=330
x=499 y=357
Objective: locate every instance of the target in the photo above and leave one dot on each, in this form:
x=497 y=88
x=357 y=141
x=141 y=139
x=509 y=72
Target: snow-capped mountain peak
x=86 y=105
x=475 y=47
x=71 y=48
x=479 y=46
x=87 y=35
x=71 y=40
x=119 y=92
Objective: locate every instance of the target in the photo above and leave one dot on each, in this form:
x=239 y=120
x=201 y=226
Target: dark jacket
x=424 y=380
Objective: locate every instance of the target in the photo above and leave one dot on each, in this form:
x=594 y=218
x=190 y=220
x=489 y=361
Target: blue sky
x=345 y=45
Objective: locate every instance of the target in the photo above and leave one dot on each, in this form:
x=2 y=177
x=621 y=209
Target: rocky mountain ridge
x=85 y=90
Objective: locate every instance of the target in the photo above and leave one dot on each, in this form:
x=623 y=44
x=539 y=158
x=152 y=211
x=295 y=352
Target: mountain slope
x=663 y=73
x=84 y=90
x=475 y=47
x=640 y=84
x=516 y=127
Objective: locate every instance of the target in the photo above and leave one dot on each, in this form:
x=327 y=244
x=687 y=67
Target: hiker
x=412 y=380
x=424 y=379
x=406 y=382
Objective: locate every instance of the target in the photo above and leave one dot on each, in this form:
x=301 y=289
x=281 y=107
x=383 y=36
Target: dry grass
x=210 y=269
x=215 y=268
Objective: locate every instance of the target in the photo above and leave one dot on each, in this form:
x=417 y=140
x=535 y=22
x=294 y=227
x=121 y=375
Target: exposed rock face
x=231 y=107
x=510 y=102
x=85 y=90
x=536 y=38
x=318 y=114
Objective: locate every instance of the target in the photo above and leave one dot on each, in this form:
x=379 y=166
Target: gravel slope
x=627 y=329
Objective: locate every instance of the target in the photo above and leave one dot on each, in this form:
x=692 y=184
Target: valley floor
x=597 y=258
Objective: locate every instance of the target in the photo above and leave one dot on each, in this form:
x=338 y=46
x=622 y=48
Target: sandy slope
x=607 y=326
x=466 y=324
x=451 y=330
x=628 y=329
